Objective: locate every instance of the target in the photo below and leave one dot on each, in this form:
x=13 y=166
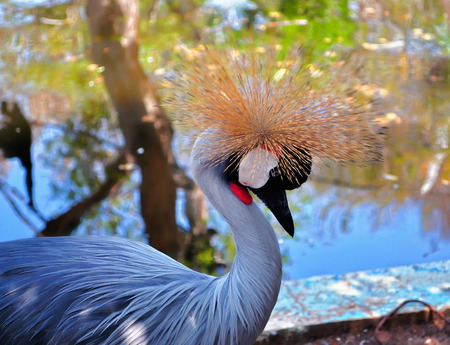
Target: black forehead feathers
x=299 y=166
x=232 y=168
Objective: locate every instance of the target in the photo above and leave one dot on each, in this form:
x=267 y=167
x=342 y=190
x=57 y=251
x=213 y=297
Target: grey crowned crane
x=259 y=128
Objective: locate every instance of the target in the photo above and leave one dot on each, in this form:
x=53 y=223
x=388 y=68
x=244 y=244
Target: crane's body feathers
x=89 y=295
x=99 y=290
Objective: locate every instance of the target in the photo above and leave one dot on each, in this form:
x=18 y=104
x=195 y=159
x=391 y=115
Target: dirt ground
x=408 y=329
x=428 y=334
x=413 y=335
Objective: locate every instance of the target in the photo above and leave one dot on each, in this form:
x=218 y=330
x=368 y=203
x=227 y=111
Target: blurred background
x=85 y=147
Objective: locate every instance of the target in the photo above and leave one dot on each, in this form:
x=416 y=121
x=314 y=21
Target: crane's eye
x=274 y=172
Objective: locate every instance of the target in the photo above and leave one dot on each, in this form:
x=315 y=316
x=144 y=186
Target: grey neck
x=254 y=280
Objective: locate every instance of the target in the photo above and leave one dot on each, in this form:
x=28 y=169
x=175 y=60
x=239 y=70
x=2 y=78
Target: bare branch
x=65 y=223
x=7 y=191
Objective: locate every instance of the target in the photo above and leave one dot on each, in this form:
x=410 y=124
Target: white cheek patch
x=255 y=168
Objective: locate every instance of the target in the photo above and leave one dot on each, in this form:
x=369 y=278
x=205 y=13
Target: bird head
x=259 y=172
x=269 y=120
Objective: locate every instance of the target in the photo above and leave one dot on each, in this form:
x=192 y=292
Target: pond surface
x=347 y=218
x=363 y=233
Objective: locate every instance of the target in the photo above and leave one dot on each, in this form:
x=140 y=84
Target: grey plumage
x=99 y=290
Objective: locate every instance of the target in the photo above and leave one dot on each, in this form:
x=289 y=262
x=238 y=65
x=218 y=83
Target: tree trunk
x=147 y=131
x=446 y=4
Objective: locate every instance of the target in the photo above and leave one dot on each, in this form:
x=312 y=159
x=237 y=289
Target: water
x=347 y=218
x=342 y=229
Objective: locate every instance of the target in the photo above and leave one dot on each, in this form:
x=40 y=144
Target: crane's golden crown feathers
x=249 y=100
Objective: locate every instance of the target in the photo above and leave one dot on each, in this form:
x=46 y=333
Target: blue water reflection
x=337 y=239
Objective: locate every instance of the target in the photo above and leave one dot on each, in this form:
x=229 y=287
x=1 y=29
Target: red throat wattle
x=241 y=192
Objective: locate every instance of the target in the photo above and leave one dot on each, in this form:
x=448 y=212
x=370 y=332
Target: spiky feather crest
x=248 y=100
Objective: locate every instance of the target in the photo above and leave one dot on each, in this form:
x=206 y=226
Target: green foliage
x=290 y=8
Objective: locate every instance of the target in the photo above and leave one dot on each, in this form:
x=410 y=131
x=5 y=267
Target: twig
x=14 y=191
x=396 y=309
x=17 y=209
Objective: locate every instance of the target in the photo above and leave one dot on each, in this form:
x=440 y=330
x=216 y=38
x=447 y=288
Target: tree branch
x=65 y=223
x=15 y=207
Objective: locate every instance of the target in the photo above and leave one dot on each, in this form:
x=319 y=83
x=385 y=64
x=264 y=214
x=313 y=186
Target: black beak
x=274 y=197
